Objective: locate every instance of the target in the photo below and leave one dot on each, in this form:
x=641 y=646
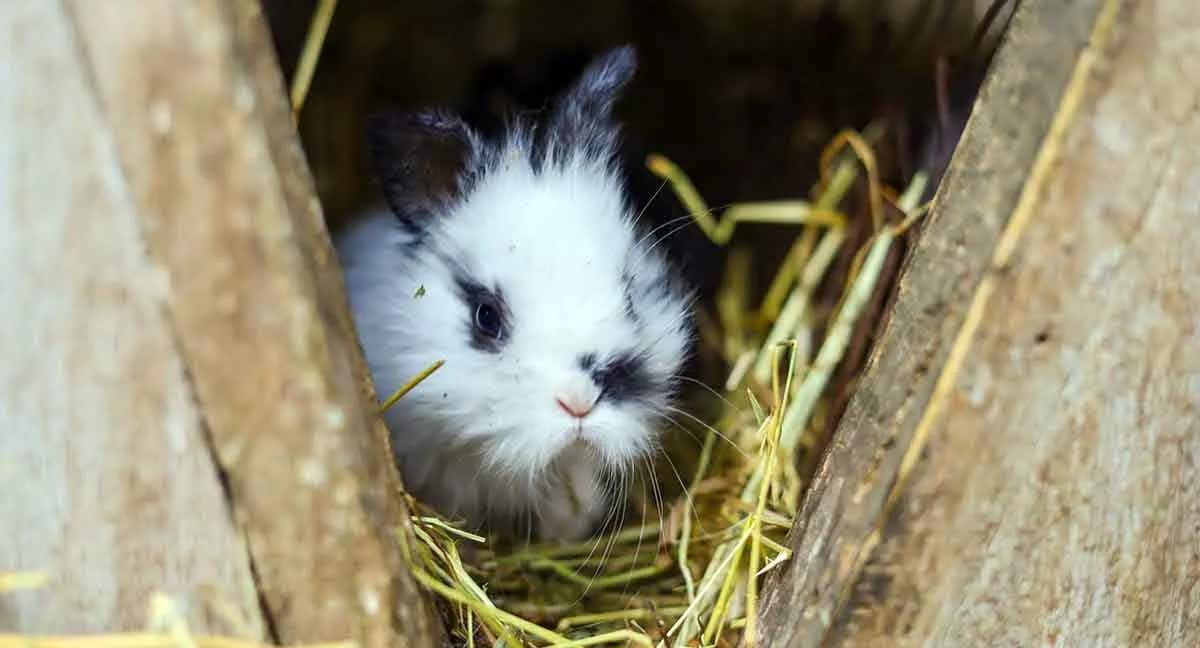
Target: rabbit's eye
x=487 y=321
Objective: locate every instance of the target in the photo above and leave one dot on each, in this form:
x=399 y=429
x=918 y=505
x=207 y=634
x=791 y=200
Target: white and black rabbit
x=518 y=261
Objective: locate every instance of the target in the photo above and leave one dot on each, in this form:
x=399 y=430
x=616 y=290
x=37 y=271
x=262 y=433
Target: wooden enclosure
x=184 y=406
x=184 y=409
x=1019 y=463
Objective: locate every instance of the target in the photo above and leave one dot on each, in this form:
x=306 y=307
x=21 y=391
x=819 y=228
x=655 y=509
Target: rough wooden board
x=1058 y=499
x=106 y=482
x=844 y=507
x=229 y=211
x=250 y=302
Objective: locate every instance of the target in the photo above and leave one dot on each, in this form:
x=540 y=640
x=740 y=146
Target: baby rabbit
x=519 y=263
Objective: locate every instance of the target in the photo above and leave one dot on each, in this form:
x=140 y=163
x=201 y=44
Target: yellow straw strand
x=313 y=42
x=410 y=385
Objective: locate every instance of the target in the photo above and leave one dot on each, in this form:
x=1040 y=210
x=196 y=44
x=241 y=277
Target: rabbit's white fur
x=484 y=438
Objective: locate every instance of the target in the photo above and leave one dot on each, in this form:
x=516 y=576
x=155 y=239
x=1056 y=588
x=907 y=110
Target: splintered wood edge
x=963 y=237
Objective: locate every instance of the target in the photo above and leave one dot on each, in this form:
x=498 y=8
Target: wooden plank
x=219 y=199
x=838 y=523
x=106 y=482
x=1044 y=491
x=1056 y=499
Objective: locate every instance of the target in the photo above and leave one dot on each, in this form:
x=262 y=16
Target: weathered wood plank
x=1045 y=491
x=106 y=482
x=845 y=505
x=213 y=195
x=1057 y=498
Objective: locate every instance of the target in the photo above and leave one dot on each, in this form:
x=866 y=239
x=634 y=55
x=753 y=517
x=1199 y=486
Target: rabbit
x=519 y=262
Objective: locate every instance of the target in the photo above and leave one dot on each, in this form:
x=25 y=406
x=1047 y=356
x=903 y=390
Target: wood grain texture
x=106 y=481
x=1045 y=492
x=250 y=307
x=1057 y=501
x=844 y=506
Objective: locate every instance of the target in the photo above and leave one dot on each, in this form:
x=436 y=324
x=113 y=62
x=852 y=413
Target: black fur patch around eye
x=474 y=295
x=624 y=378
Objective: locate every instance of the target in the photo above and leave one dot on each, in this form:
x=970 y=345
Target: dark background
x=743 y=95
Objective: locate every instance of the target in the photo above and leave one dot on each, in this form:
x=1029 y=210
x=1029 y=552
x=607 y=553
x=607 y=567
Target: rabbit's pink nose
x=574 y=407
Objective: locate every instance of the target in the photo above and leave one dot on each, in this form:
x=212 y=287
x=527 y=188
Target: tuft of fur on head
x=582 y=312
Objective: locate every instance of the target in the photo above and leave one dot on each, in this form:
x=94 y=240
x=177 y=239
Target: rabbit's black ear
x=424 y=161
x=581 y=120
